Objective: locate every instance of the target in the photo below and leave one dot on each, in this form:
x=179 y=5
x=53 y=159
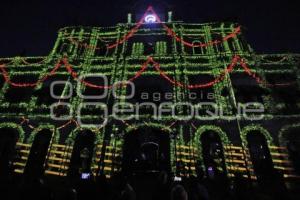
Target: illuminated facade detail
x=150 y=19
x=189 y=61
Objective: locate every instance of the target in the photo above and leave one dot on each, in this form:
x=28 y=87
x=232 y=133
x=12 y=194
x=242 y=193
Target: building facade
x=185 y=115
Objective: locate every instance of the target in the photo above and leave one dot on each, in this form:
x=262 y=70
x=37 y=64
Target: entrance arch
x=146 y=149
x=82 y=154
x=38 y=153
x=210 y=141
x=213 y=153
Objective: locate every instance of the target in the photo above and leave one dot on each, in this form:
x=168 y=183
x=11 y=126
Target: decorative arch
x=255 y=127
x=281 y=136
x=259 y=149
x=131 y=147
x=41 y=127
x=196 y=41
x=202 y=129
x=195 y=49
x=16 y=127
x=119 y=142
x=72 y=136
x=81 y=139
x=197 y=140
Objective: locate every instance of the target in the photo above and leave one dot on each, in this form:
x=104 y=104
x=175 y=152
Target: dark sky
x=30 y=27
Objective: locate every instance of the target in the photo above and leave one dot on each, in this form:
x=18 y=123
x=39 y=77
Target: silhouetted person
x=71 y=194
x=179 y=193
x=276 y=186
x=162 y=187
x=128 y=193
x=102 y=185
x=196 y=191
x=240 y=187
x=84 y=155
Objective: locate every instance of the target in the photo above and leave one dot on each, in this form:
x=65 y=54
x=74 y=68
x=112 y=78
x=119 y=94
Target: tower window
x=197 y=49
x=137 y=49
x=160 y=48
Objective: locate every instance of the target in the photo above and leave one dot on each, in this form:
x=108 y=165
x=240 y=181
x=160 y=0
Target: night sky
x=29 y=28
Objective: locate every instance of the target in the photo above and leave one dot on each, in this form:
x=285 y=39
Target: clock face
x=150 y=19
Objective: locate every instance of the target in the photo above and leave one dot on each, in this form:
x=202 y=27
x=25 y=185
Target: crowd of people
x=144 y=186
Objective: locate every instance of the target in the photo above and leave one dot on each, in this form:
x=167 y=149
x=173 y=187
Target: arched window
x=38 y=153
x=260 y=154
x=101 y=49
x=8 y=140
x=197 y=50
x=232 y=45
x=80 y=51
x=64 y=48
x=149 y=48
x=146 y=149
x=82 y=154
x=218 y=48
x=212 y=153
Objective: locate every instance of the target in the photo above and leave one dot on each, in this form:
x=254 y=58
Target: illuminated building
x=188 y=61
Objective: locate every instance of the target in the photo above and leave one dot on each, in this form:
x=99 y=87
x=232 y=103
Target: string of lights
x=235 y=60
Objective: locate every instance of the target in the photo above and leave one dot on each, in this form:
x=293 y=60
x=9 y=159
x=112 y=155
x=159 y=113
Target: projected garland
x=235 y=60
